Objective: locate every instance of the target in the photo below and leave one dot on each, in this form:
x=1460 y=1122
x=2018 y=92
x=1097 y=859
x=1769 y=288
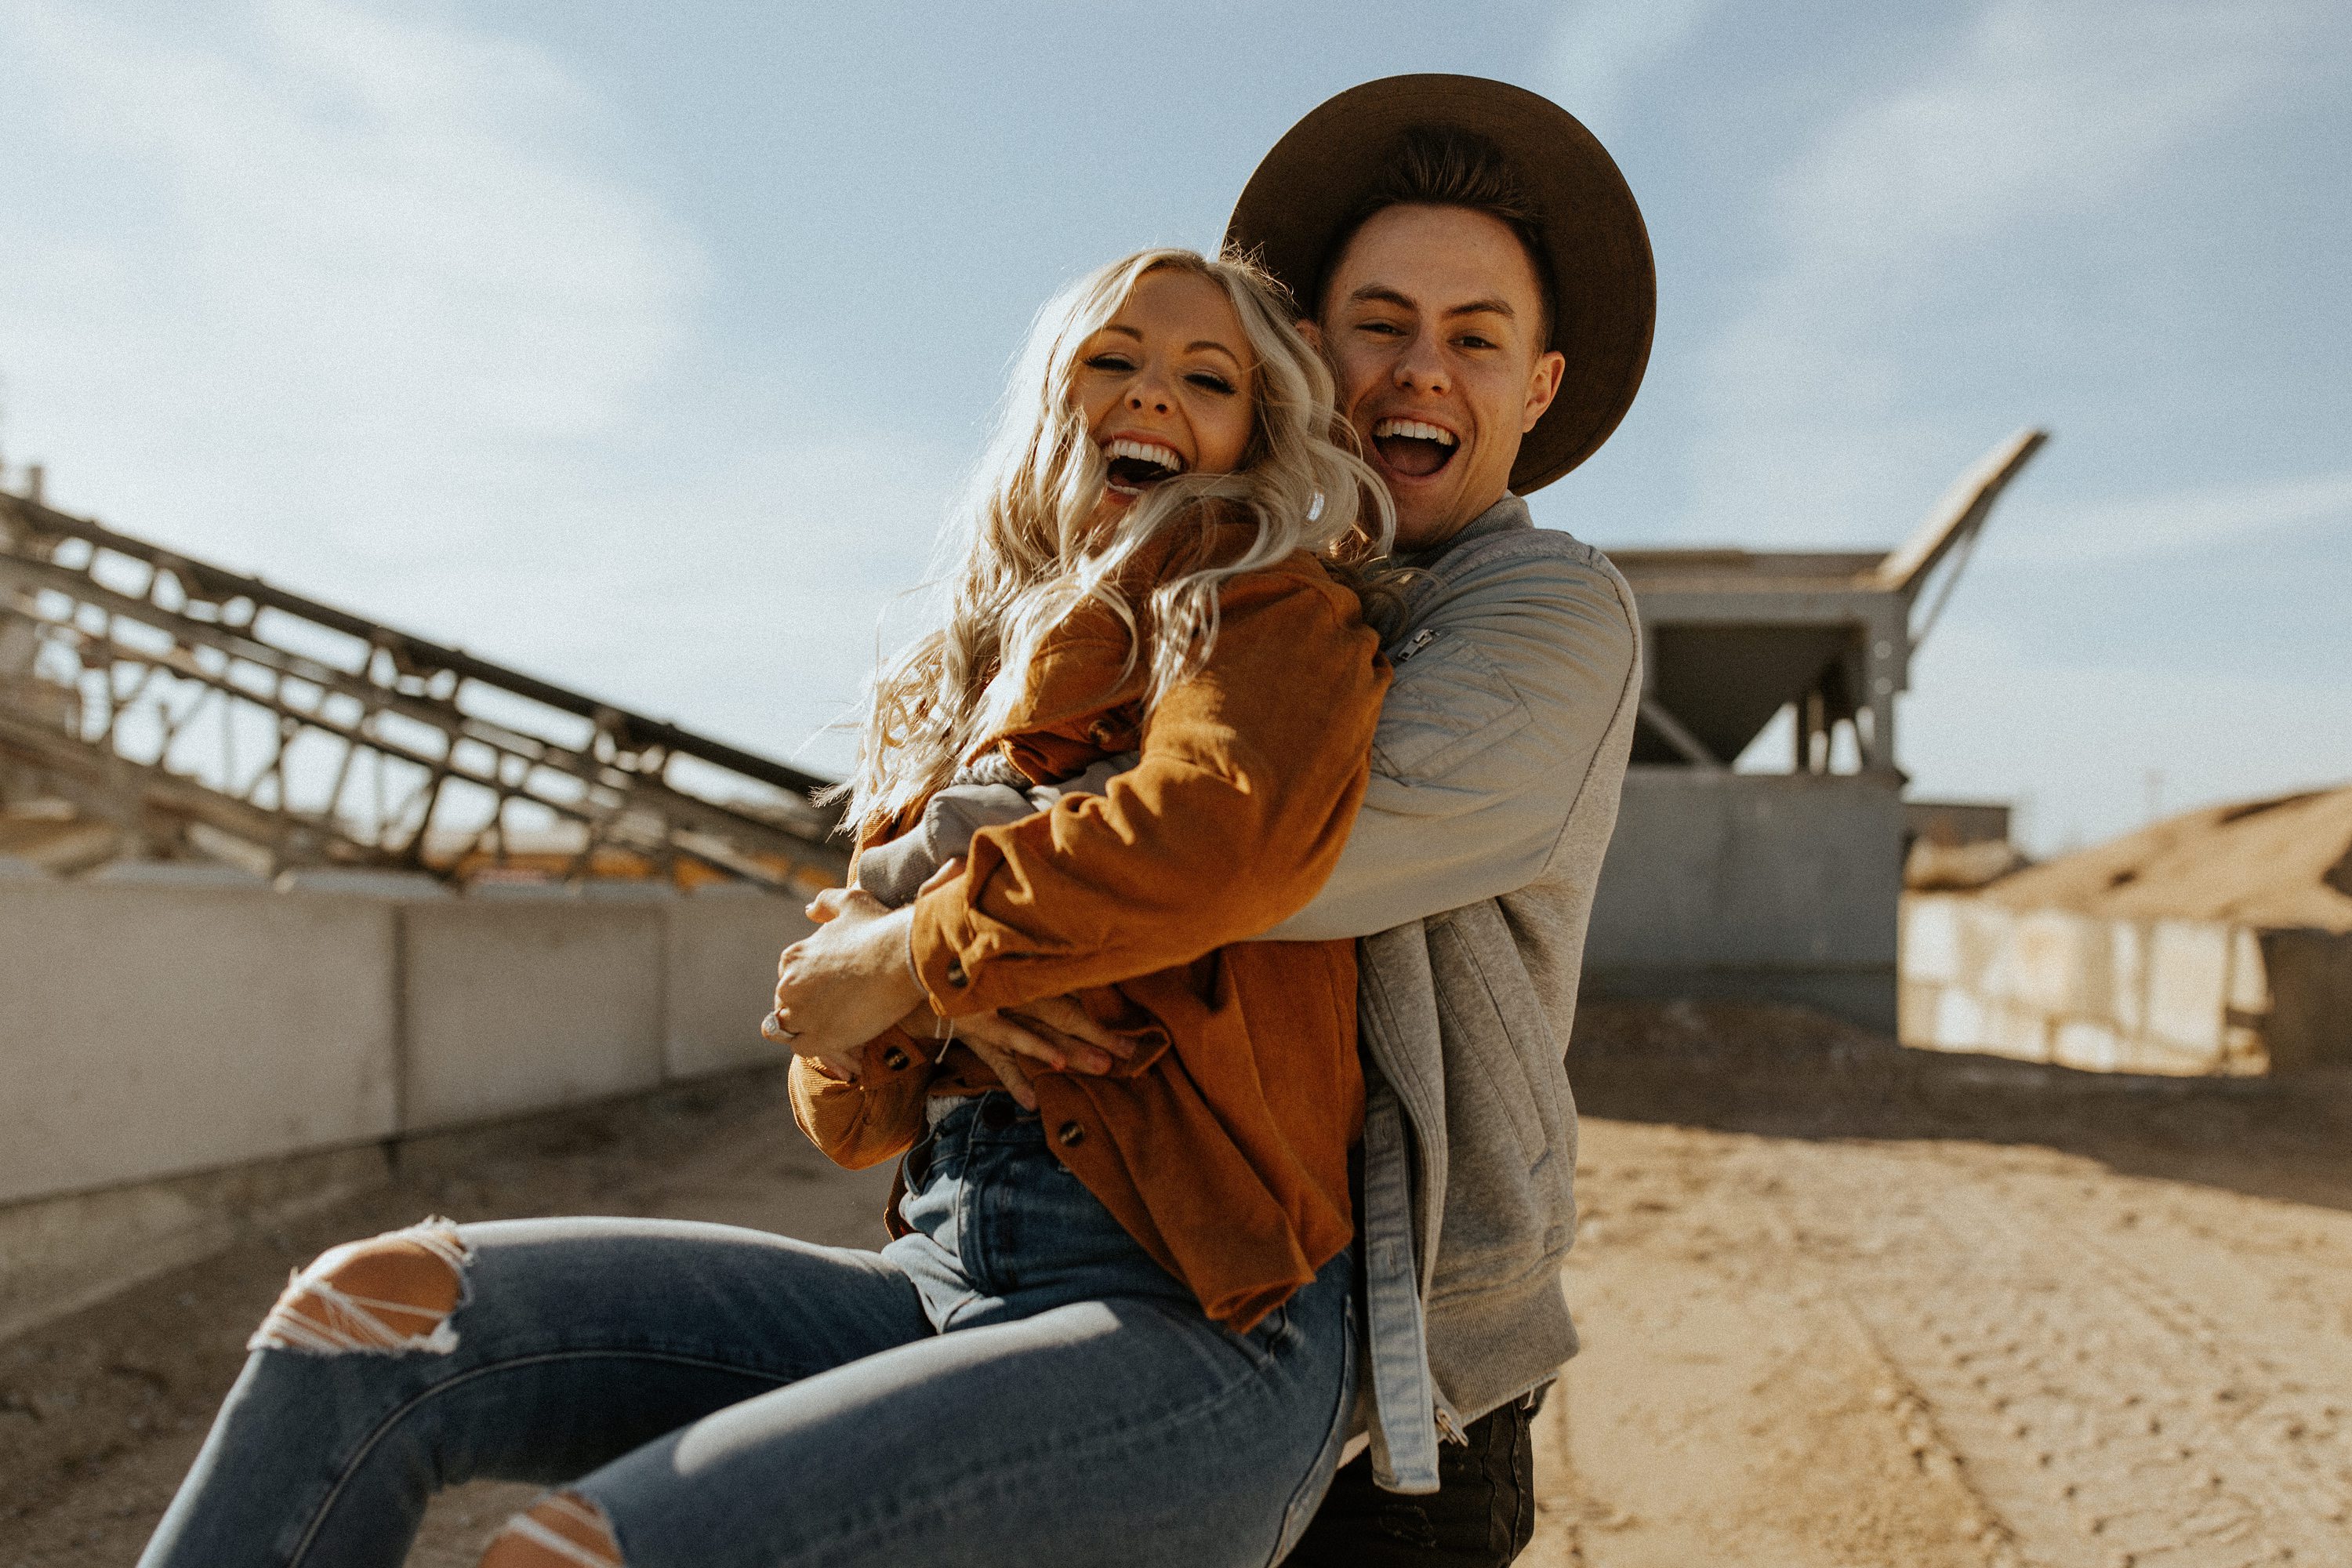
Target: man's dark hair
x=1446 y=167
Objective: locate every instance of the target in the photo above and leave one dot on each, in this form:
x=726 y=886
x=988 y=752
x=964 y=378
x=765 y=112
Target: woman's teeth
x=1135 y=464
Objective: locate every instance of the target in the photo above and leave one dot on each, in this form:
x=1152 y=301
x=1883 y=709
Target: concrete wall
x=147 y=1030
x=150 y=1031
x=720 y=976
x=512 y=1005
x=2106 y=996
x=1778 y=887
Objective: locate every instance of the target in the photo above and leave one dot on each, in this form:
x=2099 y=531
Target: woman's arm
x=1250 y=774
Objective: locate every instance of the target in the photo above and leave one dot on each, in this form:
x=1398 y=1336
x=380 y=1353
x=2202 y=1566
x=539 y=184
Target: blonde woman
x=1111 y=1328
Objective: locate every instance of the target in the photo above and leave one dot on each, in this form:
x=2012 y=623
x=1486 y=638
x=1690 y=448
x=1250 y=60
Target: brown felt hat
x=1604 y=285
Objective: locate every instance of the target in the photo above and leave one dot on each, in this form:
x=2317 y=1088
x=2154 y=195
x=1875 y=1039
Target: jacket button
x=955 y=971
x=894 y=1058
x=1102 y=733
x=1071 y=1134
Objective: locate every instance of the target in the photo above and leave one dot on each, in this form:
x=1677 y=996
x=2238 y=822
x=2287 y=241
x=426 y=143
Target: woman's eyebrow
x=1212 y=343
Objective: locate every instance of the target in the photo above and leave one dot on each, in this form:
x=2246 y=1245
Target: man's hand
x=1014 y=1045
x=846 y=984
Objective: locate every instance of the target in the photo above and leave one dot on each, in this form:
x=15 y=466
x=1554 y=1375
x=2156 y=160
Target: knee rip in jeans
x=384 y=1296
x=562 y=1530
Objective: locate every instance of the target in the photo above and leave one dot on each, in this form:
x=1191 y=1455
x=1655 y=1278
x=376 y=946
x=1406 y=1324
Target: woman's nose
x=1152 y=396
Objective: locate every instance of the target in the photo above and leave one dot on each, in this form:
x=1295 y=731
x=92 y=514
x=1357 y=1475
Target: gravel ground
x=1843 y=1304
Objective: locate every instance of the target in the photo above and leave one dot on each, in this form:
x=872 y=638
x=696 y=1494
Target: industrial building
x=1777 y=884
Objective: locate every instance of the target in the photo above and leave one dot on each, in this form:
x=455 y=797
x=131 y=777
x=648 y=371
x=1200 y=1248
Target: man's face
x=1430 y=320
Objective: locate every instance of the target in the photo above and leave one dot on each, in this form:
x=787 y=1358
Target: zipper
x=1420 y=639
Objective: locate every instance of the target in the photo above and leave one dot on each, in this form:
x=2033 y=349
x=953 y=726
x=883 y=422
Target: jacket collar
x=1505 y=516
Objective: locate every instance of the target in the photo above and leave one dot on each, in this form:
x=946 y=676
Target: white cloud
x=1600 y=51
x=2046 y=109
x=353 y=299
x=2177 y=522
x=345 y=267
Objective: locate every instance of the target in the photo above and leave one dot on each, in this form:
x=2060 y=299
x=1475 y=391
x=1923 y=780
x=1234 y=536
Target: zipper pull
x=1420 y=639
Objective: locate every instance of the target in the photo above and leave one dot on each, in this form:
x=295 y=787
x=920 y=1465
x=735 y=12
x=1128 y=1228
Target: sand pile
x=2272 y=864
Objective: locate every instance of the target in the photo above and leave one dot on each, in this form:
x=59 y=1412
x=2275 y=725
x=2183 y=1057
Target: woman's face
x=1166 y=385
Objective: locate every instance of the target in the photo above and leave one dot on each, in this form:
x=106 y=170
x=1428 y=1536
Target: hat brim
x=1604 y=281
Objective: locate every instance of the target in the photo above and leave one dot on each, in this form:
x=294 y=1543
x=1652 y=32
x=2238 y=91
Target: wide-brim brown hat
x=1605 y=282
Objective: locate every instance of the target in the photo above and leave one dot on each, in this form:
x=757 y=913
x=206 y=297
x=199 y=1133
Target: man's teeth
x=1146 y=452
x=1414 y=429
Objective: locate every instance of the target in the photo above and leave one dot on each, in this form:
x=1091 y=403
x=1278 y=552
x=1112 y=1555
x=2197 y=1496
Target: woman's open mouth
x=1134 y=466
x=1413 y=448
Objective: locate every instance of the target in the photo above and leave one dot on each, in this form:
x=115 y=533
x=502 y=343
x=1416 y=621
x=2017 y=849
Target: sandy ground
x=1842 y=1305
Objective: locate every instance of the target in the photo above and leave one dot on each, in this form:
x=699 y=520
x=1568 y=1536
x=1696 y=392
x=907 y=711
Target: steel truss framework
x=194 y=705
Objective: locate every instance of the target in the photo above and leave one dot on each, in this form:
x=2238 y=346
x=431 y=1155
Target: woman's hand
x=830 y=988
x=844 y=984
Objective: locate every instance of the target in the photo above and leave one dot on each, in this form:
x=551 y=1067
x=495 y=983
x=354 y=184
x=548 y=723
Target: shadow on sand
x=1790 y=1072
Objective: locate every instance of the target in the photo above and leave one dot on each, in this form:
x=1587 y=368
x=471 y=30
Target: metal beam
x=1958 y=515
x=110 y=684
x=1676 y=733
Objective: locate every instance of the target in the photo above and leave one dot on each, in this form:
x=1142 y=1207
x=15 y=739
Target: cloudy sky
x=641 y=346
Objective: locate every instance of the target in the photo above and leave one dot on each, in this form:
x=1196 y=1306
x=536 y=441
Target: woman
x=1116 y=1328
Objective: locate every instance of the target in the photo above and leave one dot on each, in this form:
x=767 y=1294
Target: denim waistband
x=1002 y=1229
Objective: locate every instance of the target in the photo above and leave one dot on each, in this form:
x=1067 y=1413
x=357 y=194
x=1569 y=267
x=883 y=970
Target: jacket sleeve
x=1250 y=773
x=859 y=1124
x=1505 y=690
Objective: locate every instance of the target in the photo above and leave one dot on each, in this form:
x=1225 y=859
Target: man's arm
x=1504 y=691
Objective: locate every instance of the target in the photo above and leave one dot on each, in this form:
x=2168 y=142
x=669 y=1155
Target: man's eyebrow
x=1382 y=293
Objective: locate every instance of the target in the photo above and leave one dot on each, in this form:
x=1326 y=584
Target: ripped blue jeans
x=1015 y=1382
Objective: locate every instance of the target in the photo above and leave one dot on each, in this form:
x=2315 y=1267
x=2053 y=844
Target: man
x=1480 y=279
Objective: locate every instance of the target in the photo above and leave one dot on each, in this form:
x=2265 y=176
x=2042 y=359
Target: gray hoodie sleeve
x=896 y=871
x=1505 y=686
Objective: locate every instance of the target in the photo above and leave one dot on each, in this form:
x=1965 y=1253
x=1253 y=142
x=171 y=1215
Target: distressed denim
x=1015 y=1382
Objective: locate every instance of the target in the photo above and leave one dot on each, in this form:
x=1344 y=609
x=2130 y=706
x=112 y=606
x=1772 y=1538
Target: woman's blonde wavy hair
x=1031 y=551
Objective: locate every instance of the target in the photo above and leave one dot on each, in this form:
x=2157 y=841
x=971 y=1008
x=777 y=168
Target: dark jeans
x=1482 y=1515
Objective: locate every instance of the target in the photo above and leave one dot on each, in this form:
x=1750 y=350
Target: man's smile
x=1135 y=465
x=1413 y=448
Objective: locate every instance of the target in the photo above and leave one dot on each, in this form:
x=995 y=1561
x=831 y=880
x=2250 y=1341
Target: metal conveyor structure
x=205 y=712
